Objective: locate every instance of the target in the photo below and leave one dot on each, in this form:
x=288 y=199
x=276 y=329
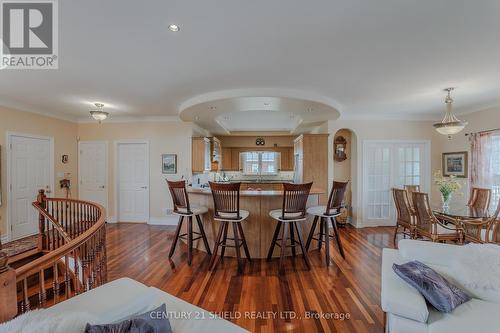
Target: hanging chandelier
x=450 y=124
x=99 y=114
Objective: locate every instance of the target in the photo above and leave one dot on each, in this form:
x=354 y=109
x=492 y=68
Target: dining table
x=456 y=213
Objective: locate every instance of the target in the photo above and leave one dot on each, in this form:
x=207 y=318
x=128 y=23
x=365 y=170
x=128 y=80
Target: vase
x=446 y=201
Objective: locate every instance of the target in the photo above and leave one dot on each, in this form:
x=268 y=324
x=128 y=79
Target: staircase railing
x=72 y=238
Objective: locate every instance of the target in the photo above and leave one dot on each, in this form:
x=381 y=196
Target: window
x=495 y=193
x=260 y=163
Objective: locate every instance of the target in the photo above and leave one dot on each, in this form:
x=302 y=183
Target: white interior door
x=31 y=169
x=391 y=164
x=93 y=172
x=133 y=182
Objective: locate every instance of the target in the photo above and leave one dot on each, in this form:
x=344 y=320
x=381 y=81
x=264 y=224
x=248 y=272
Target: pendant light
x=450 y=124
x=99 y=114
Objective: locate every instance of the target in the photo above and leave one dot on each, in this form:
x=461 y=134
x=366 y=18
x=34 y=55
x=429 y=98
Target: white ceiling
x=384 y=58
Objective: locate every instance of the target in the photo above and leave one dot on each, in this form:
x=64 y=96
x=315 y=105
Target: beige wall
x=64 y=134
x=478 y=121
x=164 y=138
x=249 y=141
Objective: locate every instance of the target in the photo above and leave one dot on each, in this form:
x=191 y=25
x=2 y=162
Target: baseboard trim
x=165 y=220
x=4 y=239
x=111 y=219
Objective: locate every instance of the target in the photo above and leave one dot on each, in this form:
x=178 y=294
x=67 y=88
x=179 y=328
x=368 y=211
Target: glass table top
x=459 y=211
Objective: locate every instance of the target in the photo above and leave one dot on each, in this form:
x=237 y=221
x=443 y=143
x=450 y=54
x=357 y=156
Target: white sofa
x=406 y=308
x=120 y=299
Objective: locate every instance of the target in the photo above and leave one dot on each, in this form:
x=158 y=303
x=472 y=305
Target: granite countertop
x=261 y=181
x=250 y=193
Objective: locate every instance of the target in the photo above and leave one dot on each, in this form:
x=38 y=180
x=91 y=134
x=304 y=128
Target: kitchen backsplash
x=203 y=178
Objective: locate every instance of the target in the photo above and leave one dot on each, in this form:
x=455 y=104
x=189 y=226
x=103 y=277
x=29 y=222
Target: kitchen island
x=259 y=226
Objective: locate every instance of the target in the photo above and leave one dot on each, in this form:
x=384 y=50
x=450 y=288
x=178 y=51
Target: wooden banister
x=72 y=237
x=8 y=308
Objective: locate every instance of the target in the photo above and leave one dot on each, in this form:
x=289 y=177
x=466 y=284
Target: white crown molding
x=121 y=119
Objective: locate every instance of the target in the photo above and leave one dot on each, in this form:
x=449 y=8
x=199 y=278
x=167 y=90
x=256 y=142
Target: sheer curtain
x=485 y=162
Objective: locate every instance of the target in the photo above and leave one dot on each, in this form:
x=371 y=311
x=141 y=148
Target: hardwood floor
x=300 y=300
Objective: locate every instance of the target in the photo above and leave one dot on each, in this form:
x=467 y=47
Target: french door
x=389 y=164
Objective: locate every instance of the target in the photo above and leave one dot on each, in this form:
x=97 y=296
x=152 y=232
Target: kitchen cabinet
x=198 y=153
x=312 y=161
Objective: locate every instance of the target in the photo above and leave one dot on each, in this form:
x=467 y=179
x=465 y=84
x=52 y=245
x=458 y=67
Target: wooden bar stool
x=227 y=211
x=325 y=213
x=293 y=211
x=183 y=209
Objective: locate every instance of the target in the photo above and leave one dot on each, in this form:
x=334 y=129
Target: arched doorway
x=344 y=169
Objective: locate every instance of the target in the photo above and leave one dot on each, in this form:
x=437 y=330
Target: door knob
x=102 y=186
x=144 y=187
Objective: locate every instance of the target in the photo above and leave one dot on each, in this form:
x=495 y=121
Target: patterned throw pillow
x=434 y=288
x=153 y=321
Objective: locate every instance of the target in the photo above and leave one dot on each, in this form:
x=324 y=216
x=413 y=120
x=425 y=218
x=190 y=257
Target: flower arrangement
x=447 y=186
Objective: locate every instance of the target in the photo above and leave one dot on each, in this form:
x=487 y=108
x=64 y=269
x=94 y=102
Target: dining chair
x=183 y=209
x=428 y=226
x=293 y=211
x=479 y=198
x=227 y=211
x=483 y=230
x=327 y=214
x=405 y=214
x=409 y=190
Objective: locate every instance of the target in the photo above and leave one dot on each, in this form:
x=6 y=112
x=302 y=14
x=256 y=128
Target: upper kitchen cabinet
x=206 y=154
x=311 y=151
x=199 y=154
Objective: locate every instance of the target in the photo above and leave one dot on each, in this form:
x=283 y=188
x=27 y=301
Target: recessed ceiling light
x=174 y=28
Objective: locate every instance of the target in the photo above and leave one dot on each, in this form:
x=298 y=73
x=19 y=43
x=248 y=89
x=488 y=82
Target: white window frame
x=259 y=163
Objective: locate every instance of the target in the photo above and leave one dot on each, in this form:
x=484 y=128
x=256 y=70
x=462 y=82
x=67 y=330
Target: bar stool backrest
x=295 y=200
x=226 y=200
x=336 y=197
x=179 y=196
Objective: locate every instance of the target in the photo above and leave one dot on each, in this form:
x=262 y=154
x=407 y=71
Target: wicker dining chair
x=479 y=198
x=428 y=226
x=409 y=190
x=482 y=230
x=405 y=214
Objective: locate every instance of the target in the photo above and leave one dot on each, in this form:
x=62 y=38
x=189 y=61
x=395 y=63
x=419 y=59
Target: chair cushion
x=195 y=209
x=320 y=211
x=278 y=213
x=232 y=216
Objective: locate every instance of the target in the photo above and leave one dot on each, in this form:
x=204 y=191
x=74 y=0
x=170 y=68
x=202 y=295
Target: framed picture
x=169 y=164
x=455 y=164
